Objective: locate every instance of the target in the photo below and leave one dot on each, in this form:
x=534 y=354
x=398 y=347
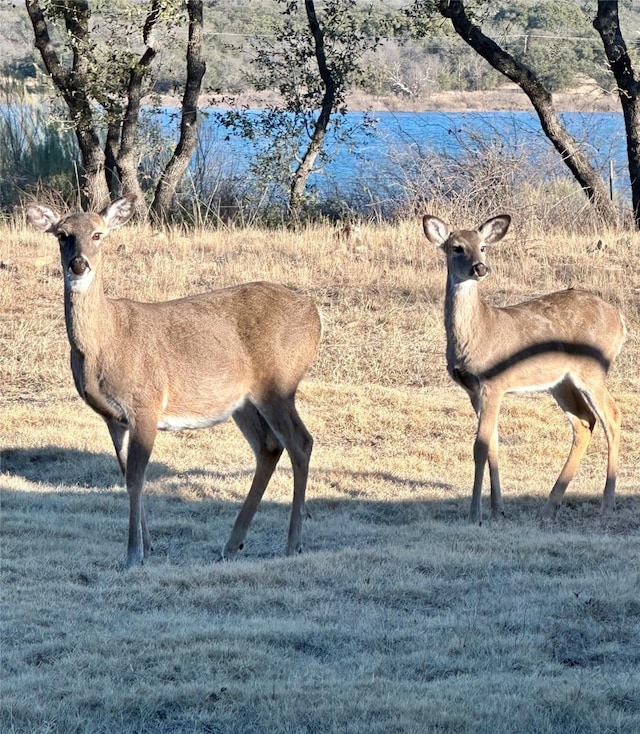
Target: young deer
x=563 y=342
x=187 y=363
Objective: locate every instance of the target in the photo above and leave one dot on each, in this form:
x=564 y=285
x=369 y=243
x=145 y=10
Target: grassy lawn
x=399 y=616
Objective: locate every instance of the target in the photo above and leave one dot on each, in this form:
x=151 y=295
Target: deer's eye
x=62 y=236
x=458 y=248
x=483 y=248
x=96 y=236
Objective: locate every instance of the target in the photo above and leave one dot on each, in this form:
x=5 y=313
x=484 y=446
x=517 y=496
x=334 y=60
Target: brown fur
x=563 y=342
x=186 y=363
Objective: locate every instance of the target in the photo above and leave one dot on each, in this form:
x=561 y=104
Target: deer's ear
x=119 y=212
x=494 y=229
x=42 y=218
x=436 y=230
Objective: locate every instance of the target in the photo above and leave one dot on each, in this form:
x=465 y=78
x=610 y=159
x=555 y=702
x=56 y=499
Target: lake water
x=382 y=159
x=375 y=153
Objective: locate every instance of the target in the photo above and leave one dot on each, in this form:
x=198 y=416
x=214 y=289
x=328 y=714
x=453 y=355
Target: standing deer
x=187 y=363
x=563 y=342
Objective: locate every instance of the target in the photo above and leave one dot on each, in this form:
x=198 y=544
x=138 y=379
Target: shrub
x=35 y=150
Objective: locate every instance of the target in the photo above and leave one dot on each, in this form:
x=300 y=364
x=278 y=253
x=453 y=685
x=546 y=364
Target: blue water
x=380 y=158
x=377 y=155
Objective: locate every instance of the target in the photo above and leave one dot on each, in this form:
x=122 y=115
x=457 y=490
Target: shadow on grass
x=194 y=529
x=57 y=465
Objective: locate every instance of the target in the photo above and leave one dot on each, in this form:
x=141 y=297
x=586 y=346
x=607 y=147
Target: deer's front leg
x=497 y=509
x=485 y=448
x=141 y=440
x=120 y=437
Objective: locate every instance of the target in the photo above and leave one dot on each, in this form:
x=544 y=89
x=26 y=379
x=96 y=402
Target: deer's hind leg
x=603 y=405
x=281 y=415
x=583 y=420
x=268 y=450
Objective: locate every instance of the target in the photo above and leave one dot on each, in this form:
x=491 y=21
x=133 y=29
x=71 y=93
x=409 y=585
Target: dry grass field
x=399 y=616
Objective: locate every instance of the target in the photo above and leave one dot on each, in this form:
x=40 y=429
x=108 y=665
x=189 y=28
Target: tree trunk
x=573 y=157
x=176 y=167
x=72 y=85
x=607 y=23
x=305 y=166
x=127 y=158
x=106 y=173
x=111 y=157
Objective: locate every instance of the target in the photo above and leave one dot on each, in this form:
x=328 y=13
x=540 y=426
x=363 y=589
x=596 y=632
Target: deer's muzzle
x=79 y=266
x=480 y=270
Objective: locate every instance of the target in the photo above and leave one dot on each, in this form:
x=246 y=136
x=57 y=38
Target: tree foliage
x=99 y=57
x=105 y=58
x=554 y=39
x=555 y=35
x=311 y=58
x=467 y=26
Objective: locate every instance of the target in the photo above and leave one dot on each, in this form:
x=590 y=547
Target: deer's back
x=571 y=316
x=201 y=354
x=536 y=343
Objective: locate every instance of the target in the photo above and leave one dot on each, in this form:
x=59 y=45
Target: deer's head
x=465 y=250
x=80 y=236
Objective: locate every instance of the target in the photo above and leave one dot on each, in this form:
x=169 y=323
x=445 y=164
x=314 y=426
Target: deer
x=563 y=342
x=189 y=363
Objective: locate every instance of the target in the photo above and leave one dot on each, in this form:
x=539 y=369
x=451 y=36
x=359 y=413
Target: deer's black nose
x=79 y=265
x=480 y=269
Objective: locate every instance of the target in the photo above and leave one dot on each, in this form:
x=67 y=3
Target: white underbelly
x=537 y=387
x=186 y=421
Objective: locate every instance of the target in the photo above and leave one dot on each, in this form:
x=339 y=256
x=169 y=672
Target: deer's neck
x=466 y=317
x=89 y=317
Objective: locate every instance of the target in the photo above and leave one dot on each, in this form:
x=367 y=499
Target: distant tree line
x=413 y=57
x=105 y=60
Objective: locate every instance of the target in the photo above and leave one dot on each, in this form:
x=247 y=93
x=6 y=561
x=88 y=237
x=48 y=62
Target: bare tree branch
x=177 y=166
x=607 y=23
x=541 y=99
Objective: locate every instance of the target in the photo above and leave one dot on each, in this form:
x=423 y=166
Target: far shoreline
x=508 y=98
